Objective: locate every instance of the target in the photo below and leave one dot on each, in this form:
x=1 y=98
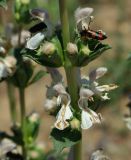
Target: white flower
x=100 y=90
x=64 y=113
x=88 y=116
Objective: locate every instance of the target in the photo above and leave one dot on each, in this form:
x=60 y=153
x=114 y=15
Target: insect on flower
x=83 y=21
x=86 y=33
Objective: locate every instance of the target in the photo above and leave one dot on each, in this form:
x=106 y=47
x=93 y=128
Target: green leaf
x=37 y=76
x=3 y=4
x=65 y=138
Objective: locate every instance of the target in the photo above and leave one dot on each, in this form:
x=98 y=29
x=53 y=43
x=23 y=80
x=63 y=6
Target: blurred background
x=113 y=17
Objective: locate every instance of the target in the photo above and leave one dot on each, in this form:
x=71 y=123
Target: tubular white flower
x=65 y=112
x=94 y=86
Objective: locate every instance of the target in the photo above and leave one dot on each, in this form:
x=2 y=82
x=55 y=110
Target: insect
x=86 y=33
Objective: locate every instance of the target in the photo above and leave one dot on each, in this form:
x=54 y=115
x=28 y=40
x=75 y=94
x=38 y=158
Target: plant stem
x=64 y=21
x=72 y=73
x=12 y=104
x=23 y=116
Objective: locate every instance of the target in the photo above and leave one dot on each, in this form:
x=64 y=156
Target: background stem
x=72 y=73
x=23 y=116
x=12 y=104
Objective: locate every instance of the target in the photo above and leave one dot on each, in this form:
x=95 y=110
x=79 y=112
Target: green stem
x=23 y=116
x=64 y=21
x=72 y=73
x=11 y=97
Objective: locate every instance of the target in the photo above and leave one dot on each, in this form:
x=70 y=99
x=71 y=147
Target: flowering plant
x=52 y=47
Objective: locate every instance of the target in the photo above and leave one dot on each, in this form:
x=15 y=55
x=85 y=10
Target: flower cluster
x=45 y=45
x=62 y=101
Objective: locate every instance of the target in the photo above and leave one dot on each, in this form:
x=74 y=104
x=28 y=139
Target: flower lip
x=64 y=113
x=34 y=41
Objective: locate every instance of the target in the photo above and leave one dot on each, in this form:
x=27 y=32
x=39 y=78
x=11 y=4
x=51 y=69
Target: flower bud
x=85 y=50
x=75 y=124
x=72 y=48
x=34 y=117
x=48 y=48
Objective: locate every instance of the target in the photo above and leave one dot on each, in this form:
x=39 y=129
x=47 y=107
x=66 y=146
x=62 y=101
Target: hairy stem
x=71 y=72
x=23 y=116
x=12 y=104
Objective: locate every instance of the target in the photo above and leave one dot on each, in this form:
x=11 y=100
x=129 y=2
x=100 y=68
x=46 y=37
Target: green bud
x=48 y=48
x=85 y=50
x=75 y=124
x=25 y=1
x=72 y=48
